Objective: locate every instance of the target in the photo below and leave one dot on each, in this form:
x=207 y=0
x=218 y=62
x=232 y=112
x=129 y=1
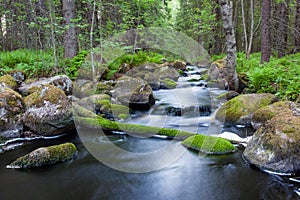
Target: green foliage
x=72 y=65
x=280 y=76
x=33 y=63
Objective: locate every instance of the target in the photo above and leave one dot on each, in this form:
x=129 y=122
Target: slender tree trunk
x=226 y=10
x=53 y=33
x=297 y=27
x=251 y=30
x=70 y=36
x=91 y=41
x=244 y=27
x=265 y=32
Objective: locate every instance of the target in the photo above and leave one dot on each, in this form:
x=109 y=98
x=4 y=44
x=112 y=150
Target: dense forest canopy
x=45 y=24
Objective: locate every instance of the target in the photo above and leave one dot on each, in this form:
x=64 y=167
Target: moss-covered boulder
x=209 y=144
x=48 y=111
x=93 y=102
x=134 y=93
x=46 y=156
x=216 y=75
x=11 y=109
x=62 y=81
x=9 y=81
x=112 y=111
x=264 y=114
x=168 y=84
x=240 y=109
x=153 y=80
x=275 y=146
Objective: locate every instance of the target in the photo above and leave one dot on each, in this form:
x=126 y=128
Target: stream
x=170 y=172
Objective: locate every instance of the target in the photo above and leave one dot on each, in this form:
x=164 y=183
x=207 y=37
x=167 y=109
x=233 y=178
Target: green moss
x=169 y=83
x=46 y=156
x=208 y=144
x=123 y=116
x=9 y=81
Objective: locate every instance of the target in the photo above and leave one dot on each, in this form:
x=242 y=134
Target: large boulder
x=48 y=111
x=11 y=109
x=240 y=109
x=167 y=72
x=275 y=146
x=216 y=74
x=46 y=156
x=62 y=81
x=134 y=93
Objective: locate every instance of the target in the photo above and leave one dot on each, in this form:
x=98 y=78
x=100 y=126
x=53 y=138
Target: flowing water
x=188 y=176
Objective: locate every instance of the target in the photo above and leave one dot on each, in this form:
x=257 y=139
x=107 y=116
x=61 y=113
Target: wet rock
x=48 y=111
x=86 y=88
x=134 y=93
x=46 y=156
x=11 y=109
x=275 y=146
x=9 y=81
x=63 y=82
x=240 y=109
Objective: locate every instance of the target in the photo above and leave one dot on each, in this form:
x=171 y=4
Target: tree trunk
x=265 y=31
x=70 y=36
x=226 y=10
x=297 y=27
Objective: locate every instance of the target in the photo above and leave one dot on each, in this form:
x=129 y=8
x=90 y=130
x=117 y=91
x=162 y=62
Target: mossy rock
x=264 y=114
x=179 y=65
x=11 y=110
x=9 y=81
x=168 y=84
x=115 y=110
x=239 y=110
x=275 y=145
x=46 y=156
x=43 y=94
x=209 y=144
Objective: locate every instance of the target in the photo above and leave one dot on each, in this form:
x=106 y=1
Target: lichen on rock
x=46 y=156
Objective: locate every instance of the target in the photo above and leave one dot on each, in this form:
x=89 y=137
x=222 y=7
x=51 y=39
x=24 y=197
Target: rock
x=179 y=65
x=9 y=81
x=112 y=111
x=152 y=80
x=11 y=109
x=275 y=146
x=63 y=82
x=18 y=75
x=215 y=75
x=239 y=110
x=264 y=114
x=167 y=72
x=243 y=82
x=46 y=156
x=48 y=111
x=209 y=144
x=134 y=93
x=168 y=84
x=93 y=101
x=228 y=95
x=86 y=88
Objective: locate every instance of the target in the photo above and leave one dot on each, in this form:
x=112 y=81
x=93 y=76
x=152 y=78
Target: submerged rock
x=239 y=110
x=209 y=144
x=62 y=81
x=275 y=146
x=48 y=111
x=11 y=109
x=46 y=156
